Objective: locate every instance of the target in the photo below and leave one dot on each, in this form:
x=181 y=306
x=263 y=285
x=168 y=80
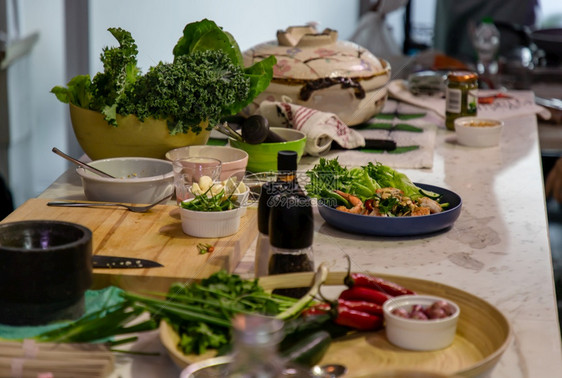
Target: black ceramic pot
x=45 y=270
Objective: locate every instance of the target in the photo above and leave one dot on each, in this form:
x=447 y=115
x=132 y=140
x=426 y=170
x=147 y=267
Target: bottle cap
x=291 y=222
x=287 y=161
x=268 y=190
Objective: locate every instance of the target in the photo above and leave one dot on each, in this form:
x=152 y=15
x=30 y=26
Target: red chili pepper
x=363 y=306
x=360 y=293
x=318 y=309
x=380 y=284
x=358 y=320
x=376 y=283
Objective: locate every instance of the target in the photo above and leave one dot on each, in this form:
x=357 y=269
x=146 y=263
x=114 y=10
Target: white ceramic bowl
x=233 y=160
x=210 y=224
x=478 y=132
x=138 y=180
x=414 y=334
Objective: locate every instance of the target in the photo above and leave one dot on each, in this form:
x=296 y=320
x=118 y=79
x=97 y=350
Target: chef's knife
x=115 y=262
x=372 y=144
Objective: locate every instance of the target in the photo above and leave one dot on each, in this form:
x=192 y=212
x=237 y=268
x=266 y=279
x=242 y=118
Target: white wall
x=36 y=117
x=156 y=26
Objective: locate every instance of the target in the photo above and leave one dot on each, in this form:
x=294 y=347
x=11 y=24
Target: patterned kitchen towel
x=413 y=129
x=321 y=128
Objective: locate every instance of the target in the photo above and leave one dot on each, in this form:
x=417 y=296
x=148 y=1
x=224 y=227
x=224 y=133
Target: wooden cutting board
x=155 y=235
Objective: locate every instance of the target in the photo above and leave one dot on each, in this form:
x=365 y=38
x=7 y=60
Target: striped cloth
x=321 y=128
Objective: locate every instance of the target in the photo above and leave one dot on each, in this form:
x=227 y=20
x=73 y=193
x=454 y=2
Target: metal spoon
x=328 y=371
x=81 y=163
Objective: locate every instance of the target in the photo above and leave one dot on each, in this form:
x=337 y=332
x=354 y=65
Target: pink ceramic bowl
x=233 y=160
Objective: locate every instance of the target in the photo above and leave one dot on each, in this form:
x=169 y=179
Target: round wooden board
x=483 y=334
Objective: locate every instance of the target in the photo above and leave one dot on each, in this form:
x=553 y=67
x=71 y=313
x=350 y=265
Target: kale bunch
x=206 y=81
x=192 y=89
x=119 y=69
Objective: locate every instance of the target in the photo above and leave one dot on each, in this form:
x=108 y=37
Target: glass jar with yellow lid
x=461 y=96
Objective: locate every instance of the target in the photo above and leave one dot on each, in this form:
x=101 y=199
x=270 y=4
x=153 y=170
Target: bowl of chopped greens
x=124 y=112
x=211 y=215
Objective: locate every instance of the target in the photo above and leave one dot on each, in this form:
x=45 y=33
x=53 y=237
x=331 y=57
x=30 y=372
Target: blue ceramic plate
x=396 y=226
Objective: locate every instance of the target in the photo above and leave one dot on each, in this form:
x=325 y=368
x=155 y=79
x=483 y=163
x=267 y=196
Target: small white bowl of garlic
x=231 y=186
x=215 y=209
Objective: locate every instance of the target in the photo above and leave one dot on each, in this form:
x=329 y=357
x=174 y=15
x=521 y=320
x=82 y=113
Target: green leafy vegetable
x=78 y=91
x=206 y=35
x=390 y=178
x=167 y=91
x=101 y=325
x=206 y=81
x=329 y=175
x=201 y=313
x=120 y=72
x=204 y=202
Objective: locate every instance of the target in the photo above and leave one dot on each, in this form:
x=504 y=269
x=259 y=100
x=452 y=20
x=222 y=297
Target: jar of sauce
x=461 y=96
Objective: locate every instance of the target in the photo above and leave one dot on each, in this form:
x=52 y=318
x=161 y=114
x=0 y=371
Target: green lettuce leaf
x=77 y=91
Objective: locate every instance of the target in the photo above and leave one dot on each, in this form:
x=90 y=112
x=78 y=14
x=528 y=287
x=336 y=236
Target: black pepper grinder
x=291 y=232
x=263 y=248
x=287 y=170
x=286 y=181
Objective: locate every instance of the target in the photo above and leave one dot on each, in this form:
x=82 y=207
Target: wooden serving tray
x=483 y=334
x=154 y=235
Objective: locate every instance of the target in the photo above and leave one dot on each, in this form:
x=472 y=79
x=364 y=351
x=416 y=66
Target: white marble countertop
x=498 y=249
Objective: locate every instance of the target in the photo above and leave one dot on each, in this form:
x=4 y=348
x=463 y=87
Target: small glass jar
x=461 y=96
x=256 y=350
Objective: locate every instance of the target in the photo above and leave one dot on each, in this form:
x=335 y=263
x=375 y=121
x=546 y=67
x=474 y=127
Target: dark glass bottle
x=263 y=247
x=286 y=182
x=287 y=170
x=291 y=232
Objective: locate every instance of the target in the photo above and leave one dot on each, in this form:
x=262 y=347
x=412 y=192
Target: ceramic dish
x=478 y=132
x=137 y=180
x=483 y=334
x=210 y=224
x=263 y=156
x=396 y=226
x=316 y=70
x=420 y=334
x=233 y=160
x=150 y=138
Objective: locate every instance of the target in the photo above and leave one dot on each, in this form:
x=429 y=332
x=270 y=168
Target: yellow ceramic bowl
x=263 y=156
x=150 y=138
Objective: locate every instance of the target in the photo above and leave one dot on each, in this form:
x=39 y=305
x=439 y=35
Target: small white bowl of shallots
x=420 y=322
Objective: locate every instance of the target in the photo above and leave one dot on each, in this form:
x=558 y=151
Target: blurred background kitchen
x=43 y=43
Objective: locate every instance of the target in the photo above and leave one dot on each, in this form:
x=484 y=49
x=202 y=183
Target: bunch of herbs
x=201 y=313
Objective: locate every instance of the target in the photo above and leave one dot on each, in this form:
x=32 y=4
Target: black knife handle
x=374 y=144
